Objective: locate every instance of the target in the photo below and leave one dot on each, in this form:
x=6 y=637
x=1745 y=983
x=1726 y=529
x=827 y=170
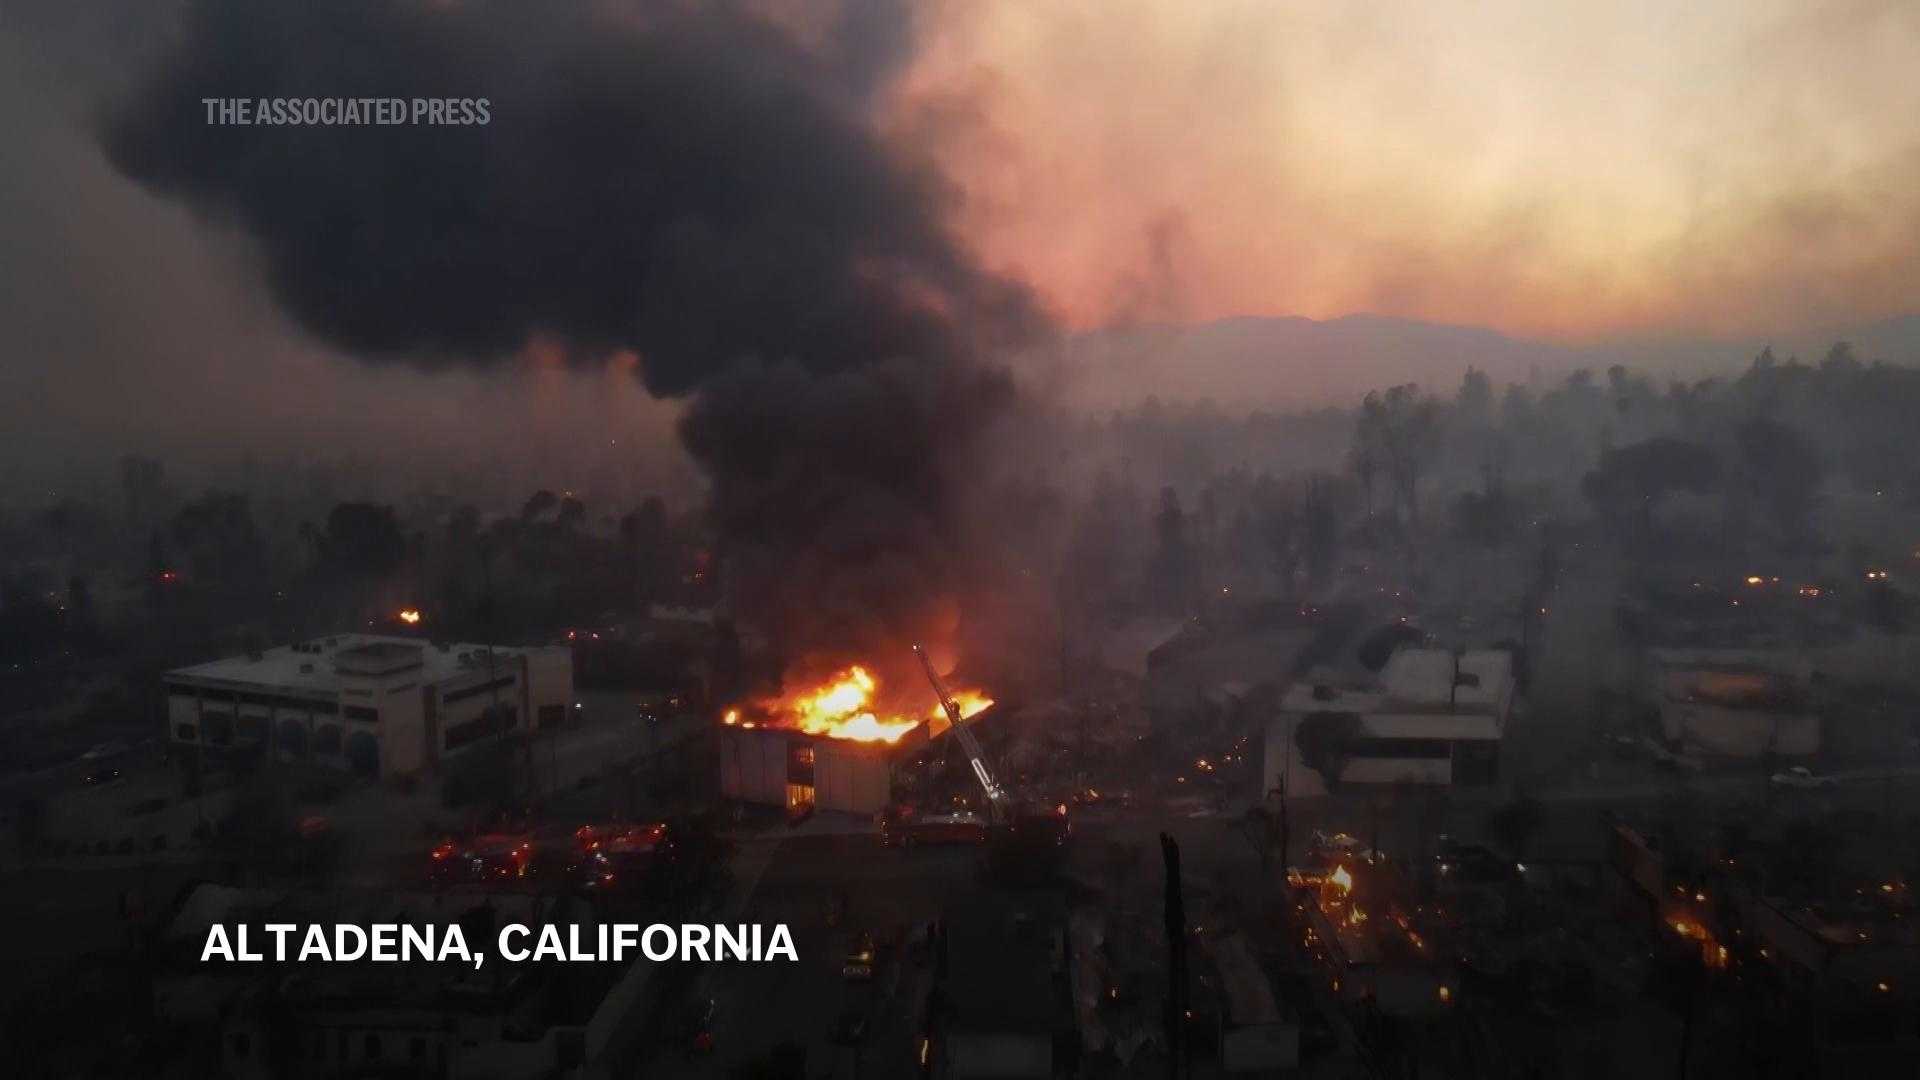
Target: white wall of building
x=400 y=718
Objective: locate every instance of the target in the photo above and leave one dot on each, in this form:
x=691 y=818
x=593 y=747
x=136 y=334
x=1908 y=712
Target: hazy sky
x=1577 y=172
x=1573 y=170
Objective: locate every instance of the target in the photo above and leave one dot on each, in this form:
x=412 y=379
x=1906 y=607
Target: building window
x=219 y=728
x=373 y=1048
x=417 y=1047
x=462 y=694
x=252 y=729
x=1399 y=748
x=363 y=753
x=489 y=722
x=292 y=738
x=362 y=712
x=242 y=1044
x=551 y=716
x=327 y=739
x=186 y=733
x=800 y=765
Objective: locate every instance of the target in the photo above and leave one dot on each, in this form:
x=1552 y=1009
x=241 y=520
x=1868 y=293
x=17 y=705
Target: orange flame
x=971 y=702
x=410 y=616
x=843 y=708
x=1340 y=879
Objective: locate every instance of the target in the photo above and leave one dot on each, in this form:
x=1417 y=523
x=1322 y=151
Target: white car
x=1802 y=777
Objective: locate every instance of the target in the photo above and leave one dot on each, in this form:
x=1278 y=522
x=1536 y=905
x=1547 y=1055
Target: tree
x=538 y=504
x=218 y=540
x=1489 y=519
x=362 y=540
x=1401 y=430
x=1840 y=358
x=1174 y=572
x=1632 y=480
x=1474 y=403
x=1783 y=471
x=1366 y=467
x=645 y=545
x=1320 y=524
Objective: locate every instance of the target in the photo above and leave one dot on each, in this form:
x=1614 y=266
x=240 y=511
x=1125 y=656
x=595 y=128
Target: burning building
x=830 y=746
x=1372 y=941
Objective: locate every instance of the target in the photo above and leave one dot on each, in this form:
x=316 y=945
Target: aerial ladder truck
x=1006 y=815
x=996 y=795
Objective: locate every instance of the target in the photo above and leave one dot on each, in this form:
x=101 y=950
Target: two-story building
x=381 y=706
x=1432 y=716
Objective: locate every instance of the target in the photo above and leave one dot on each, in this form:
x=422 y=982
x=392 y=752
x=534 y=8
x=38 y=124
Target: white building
x=1432 y=716
x=382 y=706
x=1736 y=703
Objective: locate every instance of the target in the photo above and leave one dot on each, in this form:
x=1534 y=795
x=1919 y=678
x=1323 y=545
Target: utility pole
x=1176 y=930
x=1286 y=828
x=1686 y=1029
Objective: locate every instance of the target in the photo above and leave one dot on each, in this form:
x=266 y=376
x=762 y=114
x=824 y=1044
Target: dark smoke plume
x=690 y=182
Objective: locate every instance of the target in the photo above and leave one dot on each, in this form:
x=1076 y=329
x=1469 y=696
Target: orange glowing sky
x=1571 y=171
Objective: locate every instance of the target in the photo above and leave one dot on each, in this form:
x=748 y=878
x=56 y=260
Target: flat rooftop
x=1416 y=681
x=1429 y=678
x=327 y=663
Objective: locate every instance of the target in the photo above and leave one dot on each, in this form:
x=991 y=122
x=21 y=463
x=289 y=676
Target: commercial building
x=1432 y=717
x=381 y=706
x=1735 y=703
x=775 y=766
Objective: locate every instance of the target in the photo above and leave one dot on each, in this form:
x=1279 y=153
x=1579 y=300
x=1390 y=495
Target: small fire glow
x=843 y=708
x=410 y=616
x=1340 y=879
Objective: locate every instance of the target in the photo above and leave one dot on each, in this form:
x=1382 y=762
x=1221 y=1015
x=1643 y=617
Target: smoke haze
x=689 y=191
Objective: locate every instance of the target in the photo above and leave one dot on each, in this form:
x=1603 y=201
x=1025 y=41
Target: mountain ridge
x=1291 y=362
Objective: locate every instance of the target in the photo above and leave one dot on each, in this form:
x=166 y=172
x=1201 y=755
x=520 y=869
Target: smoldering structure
x=695 y=185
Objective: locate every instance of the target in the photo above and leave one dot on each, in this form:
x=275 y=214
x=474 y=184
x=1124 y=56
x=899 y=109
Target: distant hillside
x=1291 y=362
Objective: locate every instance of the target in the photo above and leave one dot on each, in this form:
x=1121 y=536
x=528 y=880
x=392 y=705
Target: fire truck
x=1009 y=821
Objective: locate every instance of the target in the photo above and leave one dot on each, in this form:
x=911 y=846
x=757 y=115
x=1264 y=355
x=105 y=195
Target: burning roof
x=850 y=705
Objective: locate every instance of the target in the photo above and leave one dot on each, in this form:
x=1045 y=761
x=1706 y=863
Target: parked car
x=1802 y=777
